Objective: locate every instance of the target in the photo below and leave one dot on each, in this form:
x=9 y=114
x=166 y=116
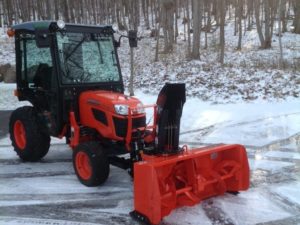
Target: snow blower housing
x=71 y=75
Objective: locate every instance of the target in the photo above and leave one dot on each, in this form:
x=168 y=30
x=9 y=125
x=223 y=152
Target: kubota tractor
x=71 y=76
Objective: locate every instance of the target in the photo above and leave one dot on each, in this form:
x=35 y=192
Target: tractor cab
x=56 y=62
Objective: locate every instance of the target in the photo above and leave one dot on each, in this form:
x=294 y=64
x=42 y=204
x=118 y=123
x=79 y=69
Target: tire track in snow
x=36 y=174
x=271 y=145
x=43 y=161
x=205 y=131
x=65 y=211
x=261 y=177
x=294 y=220
x=216 y=214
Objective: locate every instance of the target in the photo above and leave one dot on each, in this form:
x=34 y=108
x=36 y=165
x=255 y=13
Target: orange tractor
x=71 y=75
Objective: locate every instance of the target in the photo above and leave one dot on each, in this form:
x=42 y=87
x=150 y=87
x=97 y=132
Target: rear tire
x=29 y=139
x=91 y=164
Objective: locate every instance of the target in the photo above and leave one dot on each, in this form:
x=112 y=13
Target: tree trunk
x=236 y=19
x=176 y=16
x=145 y=4
x=222 y=31
x=258 y=24
x=282 y=16
x=33 y=10
x=188 y=27
x=250 y=14
x=197 y=17
x=268 y=36
x=48 y=10
x=207 y=22
x=297 y=16
x=56 y=10
x=1 y=12
x=157 y=32
x=279 y=35
x=240 y=15
x=9 y=13
x=65 y=10
x=167 y=19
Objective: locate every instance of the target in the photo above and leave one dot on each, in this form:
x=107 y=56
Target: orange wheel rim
x=83 y=165
x=20 y=134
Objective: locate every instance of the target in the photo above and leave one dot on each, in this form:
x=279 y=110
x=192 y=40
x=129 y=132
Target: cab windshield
x=87 y=58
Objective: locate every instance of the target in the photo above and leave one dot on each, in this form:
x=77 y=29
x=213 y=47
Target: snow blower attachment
x=175 y=176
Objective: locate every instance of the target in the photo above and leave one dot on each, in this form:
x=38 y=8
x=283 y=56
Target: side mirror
x=42 y=38
x=132 y=36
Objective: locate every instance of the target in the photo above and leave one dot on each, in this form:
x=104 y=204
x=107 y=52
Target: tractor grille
x=121 y=125
x=100 y=116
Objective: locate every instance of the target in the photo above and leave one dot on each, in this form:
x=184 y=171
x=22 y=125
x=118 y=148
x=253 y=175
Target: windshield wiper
x=75 y=48
x=100 y=52
x=113 y=55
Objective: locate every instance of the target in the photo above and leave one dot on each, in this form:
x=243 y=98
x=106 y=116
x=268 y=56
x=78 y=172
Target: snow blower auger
x=71 y=75
x=173 y=177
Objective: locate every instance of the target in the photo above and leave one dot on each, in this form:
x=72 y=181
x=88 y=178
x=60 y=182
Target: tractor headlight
x=122 y=109
x=140 y=109
x=61 y=24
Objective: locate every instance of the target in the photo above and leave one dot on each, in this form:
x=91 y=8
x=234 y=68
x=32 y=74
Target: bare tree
x=167 y=23
x=240 y=16
x=64 y=5
x=145 y=8
x=188 y=26
x=1 y=12
x=267 y=14
x=222 y=11
x=279 y=35
x=282 y=15
x=207 y=20
x=250 y=6
x=269 y=17
x=197 y=19
x=297 y=16
x=157 y=33
x=8 y=19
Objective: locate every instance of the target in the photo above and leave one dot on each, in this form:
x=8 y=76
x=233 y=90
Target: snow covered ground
x=48 y=192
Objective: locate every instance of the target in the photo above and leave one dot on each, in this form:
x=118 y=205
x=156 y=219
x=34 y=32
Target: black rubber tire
x=98 y=161
x=37 y=140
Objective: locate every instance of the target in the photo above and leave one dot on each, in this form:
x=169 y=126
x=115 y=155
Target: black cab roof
x=45 y=25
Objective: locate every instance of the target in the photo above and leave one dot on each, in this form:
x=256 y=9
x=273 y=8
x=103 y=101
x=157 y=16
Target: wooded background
x=199 y=17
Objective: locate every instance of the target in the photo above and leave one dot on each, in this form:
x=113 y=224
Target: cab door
x=35 y=71
x=36 y=78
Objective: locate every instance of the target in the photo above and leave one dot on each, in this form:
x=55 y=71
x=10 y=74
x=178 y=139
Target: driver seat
x=43 y=76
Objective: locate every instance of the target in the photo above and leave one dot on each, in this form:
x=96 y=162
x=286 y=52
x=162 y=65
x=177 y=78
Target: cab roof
x=32 y=26
x=45 y=25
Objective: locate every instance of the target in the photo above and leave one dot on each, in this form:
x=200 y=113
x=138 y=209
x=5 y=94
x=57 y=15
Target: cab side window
x=36 y=63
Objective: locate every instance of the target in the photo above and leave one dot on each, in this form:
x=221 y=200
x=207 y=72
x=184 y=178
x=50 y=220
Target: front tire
x=91 y=164
x=28 y=138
